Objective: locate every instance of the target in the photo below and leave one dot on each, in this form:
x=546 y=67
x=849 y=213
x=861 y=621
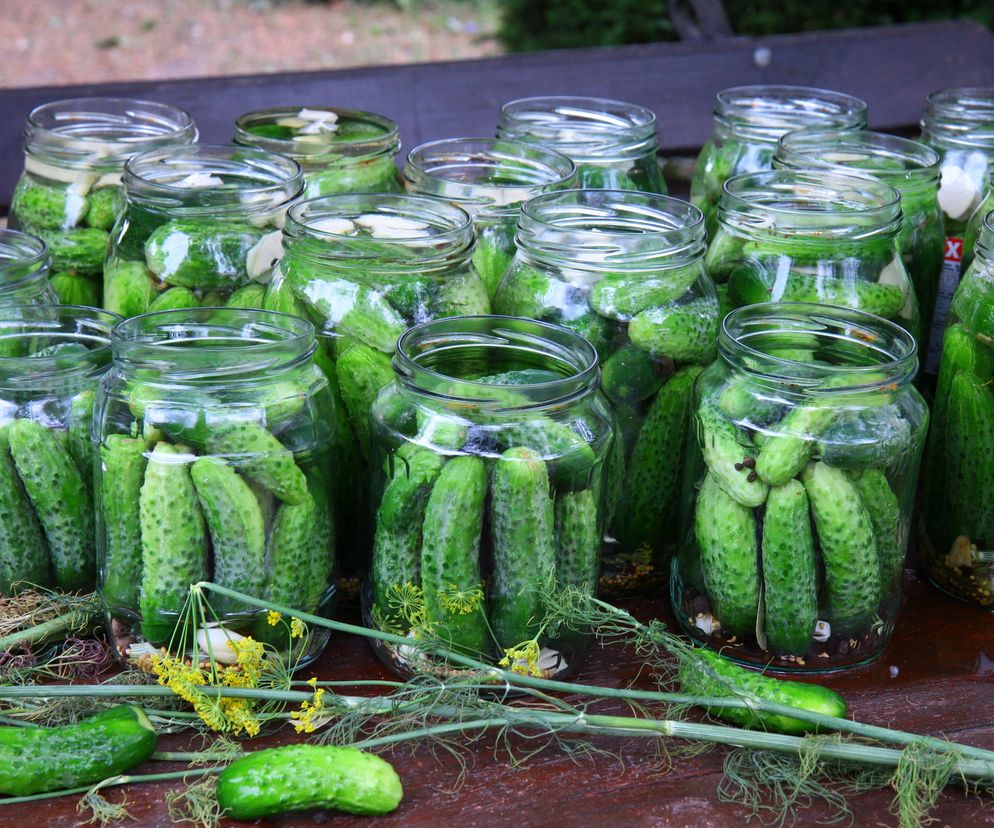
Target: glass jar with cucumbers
x=215 y=432
x=24 y=270
x=200 y=228
x=957 y=549
x=363 y=269
x=490 y=179
x=70 y=192
x=339 y=150
x=51 y=360
x=748 y=122
x=800 y=488
x=489 y=454
x=809 y=236
x=612 y=143
x=626 y=271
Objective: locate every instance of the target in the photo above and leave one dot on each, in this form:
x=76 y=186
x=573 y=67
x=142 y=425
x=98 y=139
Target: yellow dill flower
x=457 y=601
x=523 y=658
x=407 y=601
x=297 y=628
x=309 y=712
x=273 y=618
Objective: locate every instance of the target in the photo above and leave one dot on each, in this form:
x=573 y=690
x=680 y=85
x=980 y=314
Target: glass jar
x=801 y=486
x=70 y=192
x=199 y=224
x=612 y=143
x=490 y=179
x=909 y=167
x=959 y=125
x=215 y=430
x=956 y=549
x=339 y=150
x=51 y=360
x=829 y=238
x=24 y=269
x=748 y=122
x=489 y=450
x=363 y=269
x=626 y=270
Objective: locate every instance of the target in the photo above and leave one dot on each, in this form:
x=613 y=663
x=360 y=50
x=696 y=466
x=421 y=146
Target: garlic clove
x=263 y=257
x=218 y=640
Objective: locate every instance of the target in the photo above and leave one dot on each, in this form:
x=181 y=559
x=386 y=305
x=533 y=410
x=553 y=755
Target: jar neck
x=100 y=134
x=765 y=113
x=786 y=205
x=610 y=230
x=24 y=261
x=487 y=177
x=440 y=363
x=35 y=330
x=960 y=119
x=379 y=233
x=910 y=167
x=358 y=136
x=857 y=352
x=588 y=130
x=212 y=346
x=983 y=250
x=212 y=181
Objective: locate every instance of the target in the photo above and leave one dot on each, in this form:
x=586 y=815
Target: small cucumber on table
x=38 y=759
x=523 y=545
x=301 y=777
x=254 y=451
x=790 y=582
x=450 y=554
x=123 y=463
x=23 y=551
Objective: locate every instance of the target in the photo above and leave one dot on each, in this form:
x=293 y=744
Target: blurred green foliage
x=556 y=24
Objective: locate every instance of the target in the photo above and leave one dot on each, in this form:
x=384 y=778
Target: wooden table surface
x=936 y=678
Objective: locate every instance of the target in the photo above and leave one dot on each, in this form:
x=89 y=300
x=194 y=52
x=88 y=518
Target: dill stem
x=46 y=629
x=113 y=782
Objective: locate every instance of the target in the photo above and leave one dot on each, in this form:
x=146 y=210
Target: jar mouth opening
x=381 y=134
x=21 y=256
x=855 y=350
x=962 y=116
x=103 y=132
x=766 y=112
x=481 y=172
x=445 y=358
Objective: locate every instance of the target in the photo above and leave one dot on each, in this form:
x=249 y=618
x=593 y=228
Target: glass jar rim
x=820 y=149
x=22 y=256
x=569 y=348
x=388 y=142
x=457 y=168
x=961 y=116
x=895 y=348
x=984 y=246
x=876 y=205
x=766 y=111
x=102 y=133
x=587 y=129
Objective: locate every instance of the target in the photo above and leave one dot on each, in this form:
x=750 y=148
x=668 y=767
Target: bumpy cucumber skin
x=885 y=513
x=867 y=438
x=81 y=250
x=248 y=296
x=684 y=333
x=73 y=289
x=571 y=460
x=42 y=207
x=790 y=586
x=848 y=548
x=104 y=206
x=525 y=291
x=463 y=295
x=80 y=447
x=301 y=777
x=127 y=287
x=450 y=551
x=237 y=530
x=704 y=673
x=578 y=541
x=630 y=375
x=254 y=451
x=174 y=540
x=202 y=256
x=493 y=252
x=23 y=551
x=123 y=463
x=60 y=500
x=39 y=759
x=723 y=451
x=523 y=545
x=788 y=450
x=174 y=299
x=362 y=372
x=726 y=536
x=649 y=506
x=397 y=542
x=621 y=297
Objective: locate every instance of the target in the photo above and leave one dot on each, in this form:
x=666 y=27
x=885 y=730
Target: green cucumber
x=749 y=287
x=787 y=451
x=525 y=291
x=353 y=309
x=248 y=296
x=200 y=255
x=703 y=673
x=44 y=207
x=597 y=330
x=73 y=289
x=790 y=584
x=80 y=447
x=463 y=295
x=105 y=204
x=578 y=541
x=571 y=460
x=81 y=251
x=631 y=375
x=848 y=549
x=729 y=456
x=176 y=298
x=885 y=514
x=60 y=500
x=38 y=759
x=867 y=438
x=493 y=252
x=128 y=290
x=174 y=540
x=684 y=333
x=362 y=372
x=726 y=536
x=122 y=463
x=301 y=777
x=251 y=449
x=450 y=555
x=523 y=545
x=23 y=551
x=237 y=530
x=621 y=296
